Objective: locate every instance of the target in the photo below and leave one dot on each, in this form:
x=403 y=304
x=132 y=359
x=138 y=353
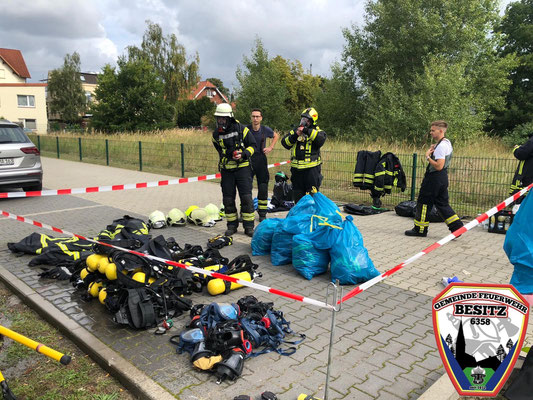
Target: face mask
x=222 y=123
x=305 y=122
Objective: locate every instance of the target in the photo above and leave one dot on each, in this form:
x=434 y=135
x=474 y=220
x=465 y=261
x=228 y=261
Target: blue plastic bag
x=262 y=239
x=307 y=259
x=306 y=205
x=281 y=251
x=350 y=263
x=518 y=246
x=327 y=208
x=298 y=219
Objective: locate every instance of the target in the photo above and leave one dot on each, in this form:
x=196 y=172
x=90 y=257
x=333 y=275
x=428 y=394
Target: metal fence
x=476 y=184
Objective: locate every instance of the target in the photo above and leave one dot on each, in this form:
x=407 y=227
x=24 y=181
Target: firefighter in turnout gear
x=524 y=172
x=235 y=146
x=305 y=142
x=434 y=188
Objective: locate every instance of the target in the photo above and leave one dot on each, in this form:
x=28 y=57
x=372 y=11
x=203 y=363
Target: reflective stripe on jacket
x=305 y=149
x=236 y=137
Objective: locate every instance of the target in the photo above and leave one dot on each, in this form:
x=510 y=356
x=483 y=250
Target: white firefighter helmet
x=224 y=110
x=213 y=212
x=175 y=217
x=157 y=220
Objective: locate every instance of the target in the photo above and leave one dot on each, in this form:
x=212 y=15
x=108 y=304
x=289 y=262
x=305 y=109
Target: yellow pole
x=38 y=347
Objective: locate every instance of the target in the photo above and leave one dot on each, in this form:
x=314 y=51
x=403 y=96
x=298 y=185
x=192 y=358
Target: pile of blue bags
x=311 y=237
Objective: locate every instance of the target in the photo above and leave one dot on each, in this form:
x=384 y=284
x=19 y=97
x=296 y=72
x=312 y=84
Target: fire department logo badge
x=479 y=329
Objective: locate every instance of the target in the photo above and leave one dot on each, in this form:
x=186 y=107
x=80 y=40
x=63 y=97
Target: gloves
x=219 y=241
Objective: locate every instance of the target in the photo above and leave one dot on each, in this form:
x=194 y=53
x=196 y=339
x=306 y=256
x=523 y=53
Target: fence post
x=57 y=145
x=182 y=147
x=413 y=178
x=107 y=152
x=140 y=156
x=39 y=142
x=79 y=145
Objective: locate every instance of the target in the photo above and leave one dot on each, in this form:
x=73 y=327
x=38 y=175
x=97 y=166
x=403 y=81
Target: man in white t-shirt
x=434 y=188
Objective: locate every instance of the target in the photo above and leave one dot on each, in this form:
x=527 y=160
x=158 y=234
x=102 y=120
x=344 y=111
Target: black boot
x=262 y=218
x=230 y=231
x=415 y=232
x=249 y=231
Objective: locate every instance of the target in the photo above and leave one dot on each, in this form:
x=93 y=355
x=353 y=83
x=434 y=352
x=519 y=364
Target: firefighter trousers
x=260 y=171
x=434 y=191
x=304 y=180
x=241 y=179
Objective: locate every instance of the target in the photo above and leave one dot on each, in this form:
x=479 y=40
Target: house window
x=26 y=100
x=89 y=97
x=30 y=123
x=209 y=93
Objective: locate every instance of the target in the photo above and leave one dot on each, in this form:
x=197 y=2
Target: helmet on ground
x=199 y=216
x=224 y=110
x=281 y=177
x=311 y=115
x=156 y=220
x=175 y=217
x=213 y=212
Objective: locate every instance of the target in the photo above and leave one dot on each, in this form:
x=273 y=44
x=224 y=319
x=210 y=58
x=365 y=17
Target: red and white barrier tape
x=128 y=186
x=436 y=245
x=176 y=264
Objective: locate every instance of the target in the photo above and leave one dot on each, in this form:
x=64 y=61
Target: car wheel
x=34 y=188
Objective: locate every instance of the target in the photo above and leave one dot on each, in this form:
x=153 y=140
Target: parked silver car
x=20 y=160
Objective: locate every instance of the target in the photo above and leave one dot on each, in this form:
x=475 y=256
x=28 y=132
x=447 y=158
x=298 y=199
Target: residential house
x=20 y=101
x=207 y=89
x=89 y=83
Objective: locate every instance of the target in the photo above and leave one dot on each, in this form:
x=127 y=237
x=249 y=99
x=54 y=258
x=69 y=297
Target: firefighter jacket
x=388 y=174
x=305 y=149
x=524 y=172
x=363 y=176
x=235 y=137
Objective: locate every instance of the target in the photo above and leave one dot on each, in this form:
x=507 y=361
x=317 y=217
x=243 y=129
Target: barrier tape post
x=196 y=270
x=128 y=186
x=336 y=308
x=443 y=241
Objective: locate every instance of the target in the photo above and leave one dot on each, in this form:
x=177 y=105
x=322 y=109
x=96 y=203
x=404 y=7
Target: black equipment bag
x=408 y=209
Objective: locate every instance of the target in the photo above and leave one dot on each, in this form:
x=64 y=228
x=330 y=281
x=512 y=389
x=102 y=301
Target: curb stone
x=138 y=383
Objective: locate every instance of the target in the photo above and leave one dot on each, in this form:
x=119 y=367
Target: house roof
x=195 y=92
x=89 y=78
x=14 y=59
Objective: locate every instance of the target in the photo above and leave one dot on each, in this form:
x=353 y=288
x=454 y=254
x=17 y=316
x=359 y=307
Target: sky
x=222 y=32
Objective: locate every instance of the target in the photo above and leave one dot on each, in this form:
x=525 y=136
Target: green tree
x=280 y=88
x=261 y=87
x=517 y=28
x=440 y=92
x=130 y=98
x=170 y=62
x=405 y=40
x=190 y=112
x=339 y=104
x=220 y=85
x=67 y=98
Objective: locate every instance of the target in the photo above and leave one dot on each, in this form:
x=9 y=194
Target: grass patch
x=34 y=376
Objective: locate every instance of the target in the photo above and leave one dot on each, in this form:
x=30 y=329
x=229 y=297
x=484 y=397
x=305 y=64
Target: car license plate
x=7 y=161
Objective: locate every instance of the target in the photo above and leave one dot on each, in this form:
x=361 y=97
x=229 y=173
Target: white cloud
x=220 y=31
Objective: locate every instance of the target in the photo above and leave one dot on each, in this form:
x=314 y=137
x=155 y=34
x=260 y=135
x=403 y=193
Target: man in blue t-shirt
x=259 y=160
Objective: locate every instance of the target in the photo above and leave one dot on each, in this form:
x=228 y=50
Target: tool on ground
x=38 y=347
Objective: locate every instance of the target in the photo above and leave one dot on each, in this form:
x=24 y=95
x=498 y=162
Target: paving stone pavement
x=384 y=346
